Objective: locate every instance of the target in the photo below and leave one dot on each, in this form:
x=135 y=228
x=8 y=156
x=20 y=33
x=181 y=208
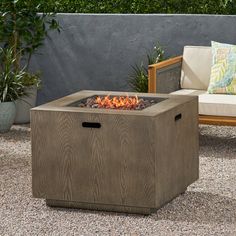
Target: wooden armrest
x=167 y=62
x=154 y=67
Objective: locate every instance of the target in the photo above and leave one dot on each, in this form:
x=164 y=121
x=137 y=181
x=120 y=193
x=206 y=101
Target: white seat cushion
x=196 y=67
x=212 y=104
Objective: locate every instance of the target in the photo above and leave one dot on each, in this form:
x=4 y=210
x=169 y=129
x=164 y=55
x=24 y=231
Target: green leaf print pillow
x=223 y=70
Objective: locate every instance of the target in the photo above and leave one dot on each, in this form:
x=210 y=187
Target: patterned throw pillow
x=223 y=70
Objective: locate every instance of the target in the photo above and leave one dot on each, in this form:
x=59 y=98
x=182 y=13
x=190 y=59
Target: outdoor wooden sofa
x=189 y=75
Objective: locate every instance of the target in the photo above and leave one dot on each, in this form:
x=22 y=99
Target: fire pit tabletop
x=64 y=104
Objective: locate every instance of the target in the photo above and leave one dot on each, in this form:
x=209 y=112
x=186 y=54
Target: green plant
x=23 y=30
x=138 y=80
x=30 y=79
x=157 y=55
x=11 y=83
x=137 y=6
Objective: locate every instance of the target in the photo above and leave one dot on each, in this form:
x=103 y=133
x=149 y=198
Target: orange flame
x=120 y=102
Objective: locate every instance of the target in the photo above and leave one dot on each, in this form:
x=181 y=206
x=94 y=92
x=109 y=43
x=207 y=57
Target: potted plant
x=23 y=29
x=31 y=83
x=11 y=88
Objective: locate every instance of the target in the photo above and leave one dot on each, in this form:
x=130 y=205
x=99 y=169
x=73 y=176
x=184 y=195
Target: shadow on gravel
x=16 y=135
x=218 y=141
x=199 y=207
x=195 y=207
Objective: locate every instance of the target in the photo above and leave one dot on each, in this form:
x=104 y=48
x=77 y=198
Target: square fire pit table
x=131 y=161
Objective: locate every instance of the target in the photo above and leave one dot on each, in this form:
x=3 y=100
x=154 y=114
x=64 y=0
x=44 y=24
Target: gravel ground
x=207 y=208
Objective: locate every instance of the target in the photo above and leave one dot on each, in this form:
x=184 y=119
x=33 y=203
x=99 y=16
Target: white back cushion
x=196 y=67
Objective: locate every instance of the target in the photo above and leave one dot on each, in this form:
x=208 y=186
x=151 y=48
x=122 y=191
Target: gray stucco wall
x=97 y=51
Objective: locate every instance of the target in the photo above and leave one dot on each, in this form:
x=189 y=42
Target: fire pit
x=117 y=102
x=113 y=151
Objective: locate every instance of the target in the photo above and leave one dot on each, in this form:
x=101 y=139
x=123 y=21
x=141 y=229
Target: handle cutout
x=178 y=117
x=93 y=125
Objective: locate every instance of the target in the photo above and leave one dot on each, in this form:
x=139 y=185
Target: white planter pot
x=7 y=115
x=24 y=104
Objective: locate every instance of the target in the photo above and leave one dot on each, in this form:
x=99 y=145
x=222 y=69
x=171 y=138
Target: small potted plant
x=11 y=88
x=31 y=83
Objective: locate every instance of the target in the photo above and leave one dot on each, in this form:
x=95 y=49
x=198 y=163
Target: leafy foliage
x=11 y=83
x=138 y=80
x=23 y=29
x=22 y=32
x=136 y=6
x=157 y=55
x=30 y=79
